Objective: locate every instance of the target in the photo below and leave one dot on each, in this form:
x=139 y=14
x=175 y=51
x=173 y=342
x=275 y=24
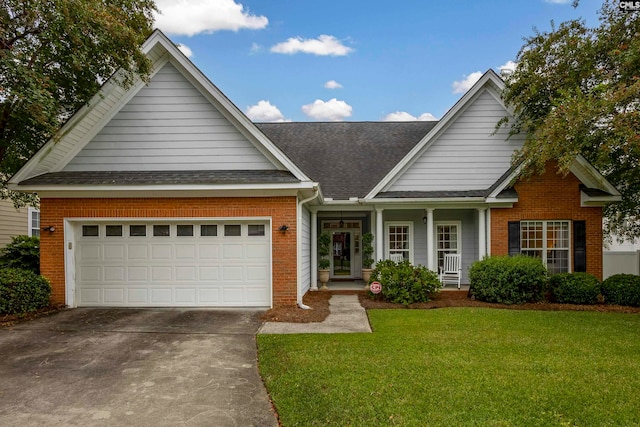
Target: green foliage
x=574 y=91
x=367 y=250
x=622 y=289
x=22 y=291
x=54 y=56
x=403 y=283
x=324 y=249
x=508 y=280
x=574 y=288
x=23 y=252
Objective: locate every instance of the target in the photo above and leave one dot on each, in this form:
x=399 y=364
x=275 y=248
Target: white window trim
x=544 y=222
x=409 y=226
x=435 y=235
x=30 y=227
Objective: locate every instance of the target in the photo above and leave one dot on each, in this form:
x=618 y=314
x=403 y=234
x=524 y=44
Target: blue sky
x=354 y=60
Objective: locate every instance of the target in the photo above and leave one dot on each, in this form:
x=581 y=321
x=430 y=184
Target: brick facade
x=282 y=210
x=550 y=196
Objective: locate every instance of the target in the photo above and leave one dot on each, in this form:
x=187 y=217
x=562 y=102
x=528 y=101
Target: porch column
x=482 y=233
x=379 y=238
x=431 y=244
x=488 y=234
x=314 y=251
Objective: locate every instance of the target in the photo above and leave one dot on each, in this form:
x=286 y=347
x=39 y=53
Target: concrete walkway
x=346 y=316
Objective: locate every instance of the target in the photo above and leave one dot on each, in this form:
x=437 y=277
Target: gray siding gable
x=169 y=125
x=465 y=155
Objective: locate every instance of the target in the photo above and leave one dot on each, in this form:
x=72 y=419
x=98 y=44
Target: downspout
x=299 y=243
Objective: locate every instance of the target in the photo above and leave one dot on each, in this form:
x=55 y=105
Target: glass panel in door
x=341 y=250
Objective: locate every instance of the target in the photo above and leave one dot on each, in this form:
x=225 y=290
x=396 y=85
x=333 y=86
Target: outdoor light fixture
x=283 y=228
x=424 y=219
x=50 y=229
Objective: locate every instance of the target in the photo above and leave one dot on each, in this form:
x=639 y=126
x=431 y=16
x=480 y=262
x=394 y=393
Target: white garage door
x=165 y=264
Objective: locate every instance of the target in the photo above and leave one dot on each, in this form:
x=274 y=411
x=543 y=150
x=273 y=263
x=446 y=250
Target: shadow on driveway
x=143 y=367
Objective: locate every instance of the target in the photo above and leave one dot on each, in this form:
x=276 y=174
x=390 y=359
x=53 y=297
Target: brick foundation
x=282 y=210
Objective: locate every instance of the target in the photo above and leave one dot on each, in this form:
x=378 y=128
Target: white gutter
x=316 y=193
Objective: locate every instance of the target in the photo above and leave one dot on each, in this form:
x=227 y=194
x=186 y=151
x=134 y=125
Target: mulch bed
x=319 y=303
x=12 y=319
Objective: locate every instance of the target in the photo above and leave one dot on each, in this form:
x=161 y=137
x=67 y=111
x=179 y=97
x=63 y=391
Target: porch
x=358 y=285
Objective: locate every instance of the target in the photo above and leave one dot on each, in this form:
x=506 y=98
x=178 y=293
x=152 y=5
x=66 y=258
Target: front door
x=342 y=254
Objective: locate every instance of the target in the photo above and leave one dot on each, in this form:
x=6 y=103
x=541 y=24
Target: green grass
x=460 y=367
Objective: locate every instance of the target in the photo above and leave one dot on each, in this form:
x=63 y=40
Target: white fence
x=620 y=262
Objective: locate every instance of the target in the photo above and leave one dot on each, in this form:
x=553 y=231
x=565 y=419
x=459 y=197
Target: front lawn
x=460 y=366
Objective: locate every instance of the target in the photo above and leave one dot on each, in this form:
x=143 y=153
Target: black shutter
x=514 y=238
x=579 y=246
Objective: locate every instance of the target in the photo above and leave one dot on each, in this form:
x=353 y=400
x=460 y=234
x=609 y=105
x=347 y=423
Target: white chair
x=451 y=271
x=396 y=257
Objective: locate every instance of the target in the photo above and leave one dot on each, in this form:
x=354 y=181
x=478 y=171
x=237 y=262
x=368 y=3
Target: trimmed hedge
x=23 y=252
x=403 y=283
x=22 y=291
x=622 y=289
x=508 y=279
x=574 y=288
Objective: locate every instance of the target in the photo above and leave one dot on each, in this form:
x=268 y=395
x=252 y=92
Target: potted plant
x=367 y=261
x=324 y=249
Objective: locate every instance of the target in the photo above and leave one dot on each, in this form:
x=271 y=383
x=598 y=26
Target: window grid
x=398 y=238
x=547 y=240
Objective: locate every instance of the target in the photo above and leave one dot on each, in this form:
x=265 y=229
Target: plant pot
x=323 y=278
x=366 y=275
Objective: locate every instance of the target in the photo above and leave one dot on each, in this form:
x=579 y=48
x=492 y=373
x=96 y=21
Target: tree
x=54 y=55
x=576 y=90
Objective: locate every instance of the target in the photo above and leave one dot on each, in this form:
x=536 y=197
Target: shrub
x=508 y=280
x=622 y=289
x=574 y=288
x=22 y=291
x=403 y=283
x=23 y=252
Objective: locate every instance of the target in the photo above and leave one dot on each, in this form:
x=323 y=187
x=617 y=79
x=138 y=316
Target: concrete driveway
x=151 y=367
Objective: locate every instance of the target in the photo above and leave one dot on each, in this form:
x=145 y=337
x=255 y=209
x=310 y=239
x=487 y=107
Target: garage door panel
x=138 y=251
x=114 y=295
x=90 y=252
x=187 y=273
x=161 y=252
x=114 y=252
x=190 y=269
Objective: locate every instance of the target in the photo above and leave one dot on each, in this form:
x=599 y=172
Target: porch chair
x=396 y=257
x=451 y=271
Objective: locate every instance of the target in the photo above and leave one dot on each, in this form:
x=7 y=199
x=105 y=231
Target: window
x=232 y=230
x=34 y=222
x=448 y=240
x=137 y=230
x=161 y=230
x=90 y=231
x=399 y=241
x=113 y=231
x=256 y=230
x=547 y=240
x=185 y=230
x=208 y=230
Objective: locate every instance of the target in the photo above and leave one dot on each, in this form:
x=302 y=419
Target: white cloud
x=508 y=67
x=191 y=17
x=461 y=86
x=324 y=45
x=185 y=49
x=332 y=84
x=403 y=116
x=264 y=111
x=332 y=110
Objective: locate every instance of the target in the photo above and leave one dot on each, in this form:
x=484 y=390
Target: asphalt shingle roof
x=347 y=158
x=163 y=177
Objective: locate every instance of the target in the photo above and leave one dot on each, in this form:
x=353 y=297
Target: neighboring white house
x=620 y=257
x=14 y=222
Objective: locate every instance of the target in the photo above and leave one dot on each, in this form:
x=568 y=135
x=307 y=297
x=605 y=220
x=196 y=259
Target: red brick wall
x=282 y=210
x=550 y=197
